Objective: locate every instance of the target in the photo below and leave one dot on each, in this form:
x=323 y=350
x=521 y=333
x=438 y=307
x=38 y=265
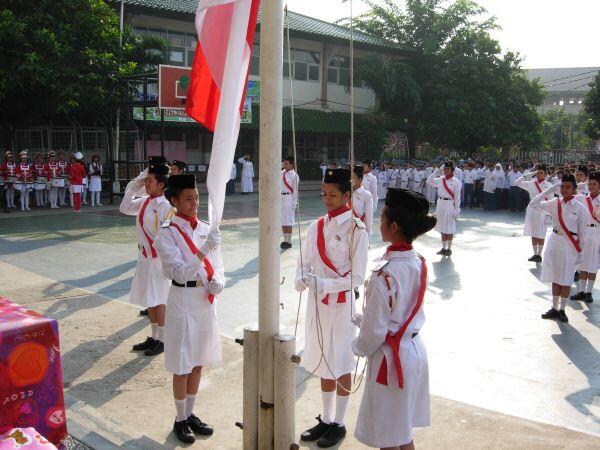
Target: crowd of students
x=42 y=181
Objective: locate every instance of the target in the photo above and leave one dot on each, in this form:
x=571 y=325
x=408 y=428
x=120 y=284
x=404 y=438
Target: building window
x=255 y=61
x=339 y=70
x=338 y=148
x=580 y=101
x=306 y=65
x=561 y=102
x=571 y=101
x=177 y=56
x=182 y=45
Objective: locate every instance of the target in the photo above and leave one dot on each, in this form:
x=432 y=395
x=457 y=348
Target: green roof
x=299 y=24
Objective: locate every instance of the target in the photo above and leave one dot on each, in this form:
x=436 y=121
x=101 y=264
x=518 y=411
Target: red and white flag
x=215 y=96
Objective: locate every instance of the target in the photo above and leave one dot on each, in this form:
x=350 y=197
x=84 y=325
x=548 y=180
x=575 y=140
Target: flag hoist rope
x=351 y=244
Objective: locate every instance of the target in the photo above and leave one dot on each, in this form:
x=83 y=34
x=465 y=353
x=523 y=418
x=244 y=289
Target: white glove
x=300 y=285
x=215 y=287
x=213 y=240
x=141 y=177
x=357 y=319
x=314 y=282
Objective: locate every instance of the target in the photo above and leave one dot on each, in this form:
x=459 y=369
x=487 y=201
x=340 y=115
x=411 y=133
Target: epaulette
x=166 y=223
x=359 y=223
x=170 y=214
x=380 y=265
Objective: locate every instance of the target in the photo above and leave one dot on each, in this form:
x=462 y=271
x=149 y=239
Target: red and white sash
x=590 y=206
x=148 y=238
x=447 y=188
x=287 y=185
x=341 y=298
x=210 y=272
x=394 y=340
x=574 y=241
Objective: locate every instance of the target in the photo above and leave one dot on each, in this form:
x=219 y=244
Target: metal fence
x=561 y=156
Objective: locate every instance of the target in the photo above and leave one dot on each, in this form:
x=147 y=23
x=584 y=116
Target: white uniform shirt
x=489 y=181
x=582 y=188
x=247 y=168
x=469 y=176
x=532 y=186
x=454 y=184
x=293 y=180
x=458 y=173
x=370 y=184
x=362 y=204
x=499 y=178
x=514 y=176
x=233 y=174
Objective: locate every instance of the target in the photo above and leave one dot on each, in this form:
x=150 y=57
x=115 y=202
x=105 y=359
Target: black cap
x=583 y=169
x=595 y=176
x=359 y=171
x=181 y=164
x=184 y=181
x=159 y=168
x=569 y=178
x=337 y=176
x=157 y=160
x=408 y=200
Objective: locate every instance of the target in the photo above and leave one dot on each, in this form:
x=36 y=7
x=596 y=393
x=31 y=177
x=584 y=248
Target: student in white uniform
x=178 y=167
x=536 y=220
x=362 y=201
x=489 y=188
x=581 y=175
x=191 y=258
x=396 y=395
x=230 y=187
x=382 y=181
x=144 y=199
x=64 y=173
x=247 y=174
x=95 y=171
x=289 y=200
x=333 y=264
x=430 y=191
x=590 y=261
x=569 y=219
x=498 y=191
x=370 y=181
x=448 y=204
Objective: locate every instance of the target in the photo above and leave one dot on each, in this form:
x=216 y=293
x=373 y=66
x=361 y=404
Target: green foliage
x=64 y=56
x=565 y=131
x=592 y=107
x=462 y=92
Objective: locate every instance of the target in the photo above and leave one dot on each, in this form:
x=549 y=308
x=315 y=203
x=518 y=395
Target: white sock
x=449 y=244
x=189 y=405
x=590 y=286
x=161 y=333
x=582 y=285
x=328 y=406
x=154 y=327
x=341 y=403
x=536 y=250
x=180 y=407
x=444 y=245
x=555 y=299
x=287 y=237
x=563 y=302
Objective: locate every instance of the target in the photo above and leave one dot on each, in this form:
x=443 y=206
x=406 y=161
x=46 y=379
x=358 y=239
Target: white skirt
x=247 y=185
x=76 y=188
x=95 y=184
x=149 y=287
x=446 y=219
x=590 y=259
x=559 y=261
x=191 y=331
x=388 y=414
x=536 y=223
x=287 y=210
x=337 y=333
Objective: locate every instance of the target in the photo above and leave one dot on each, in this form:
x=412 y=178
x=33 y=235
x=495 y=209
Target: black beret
x=595 y=176
x=408 y=200
x=359 y=171
x=180 y=164
x=160 y=169
x=157 y=160
x=184 y=181
x=569 y=178
x=337 y=176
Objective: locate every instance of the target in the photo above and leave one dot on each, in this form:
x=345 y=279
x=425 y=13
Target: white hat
x=78 y=156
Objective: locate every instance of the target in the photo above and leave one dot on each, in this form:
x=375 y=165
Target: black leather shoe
x=533 y=258
x=441 y=252
x=578 y=296
x=314 y=433
x=562 y=316
x=550 y=314
x=156 y=349
x=144 y=312
x=183 y=432
x=589 y=298
x=199 y=427
x=144 y=345
x=538 y=258
x=332 y=436
x=448 y=252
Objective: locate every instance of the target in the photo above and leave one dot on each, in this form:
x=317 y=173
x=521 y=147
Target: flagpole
x=271 y=77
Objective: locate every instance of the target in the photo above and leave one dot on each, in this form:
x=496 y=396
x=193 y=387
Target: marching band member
x=536 y=220
x=52 y=170
x=569 y=219
x=590 y=261
x=247 y=174
x=95 y=171
x=362 y=201
x=396 y=395
x=191 y=257
x=448 y=204
x=76 y=176
x=332 y=264
x=370 y=181
x=9 y=169
x=40 y=180
x=64 y=172
x=178 y=167
x=149 y=287
x=25 y=176
x=289 y=200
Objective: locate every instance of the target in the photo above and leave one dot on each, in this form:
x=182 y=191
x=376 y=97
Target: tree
x=592 y=107
x=562 y=130
x=470 y=95
x=60 y=57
